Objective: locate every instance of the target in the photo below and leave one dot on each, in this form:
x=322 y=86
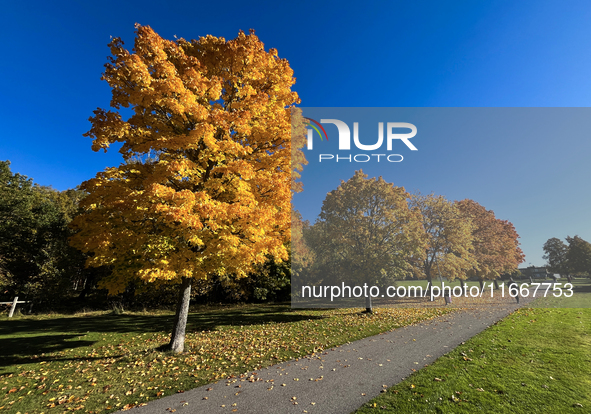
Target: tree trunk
x=430 y=284
x=496 y=284
x=88 y=285
x=177 y=340
x=368 y=305
x=481 y=282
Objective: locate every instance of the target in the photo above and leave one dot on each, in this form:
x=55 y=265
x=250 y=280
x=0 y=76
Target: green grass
x=533 y=361
x=101 y=362
x=581 y=296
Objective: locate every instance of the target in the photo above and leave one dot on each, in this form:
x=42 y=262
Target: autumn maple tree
x=205 y=186
x=448 y=238
x=495 y=242
x=366 y=232
x=301 y=254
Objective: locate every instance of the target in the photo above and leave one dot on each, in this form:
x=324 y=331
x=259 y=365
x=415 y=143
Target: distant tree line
x=370 y=231
x=572 y=258
x=367 y=230
x=37 y=263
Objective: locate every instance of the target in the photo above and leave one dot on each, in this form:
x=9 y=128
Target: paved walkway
x=339 y=380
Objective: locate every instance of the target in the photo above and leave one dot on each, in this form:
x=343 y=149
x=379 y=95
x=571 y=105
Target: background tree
x=495 y=243
x=578 y=256
x=555 y=253
x=206 y=184
x=298 y=141
x=322 y=263
x=5 y=280
x=268 y=282
x=301 y=254
x=23 y=220
x=38 y=264
x=448 y=239
x=367 y=232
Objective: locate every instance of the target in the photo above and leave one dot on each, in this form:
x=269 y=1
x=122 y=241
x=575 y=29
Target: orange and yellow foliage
x=448 y=238
x=206 y=182
x=495 y=242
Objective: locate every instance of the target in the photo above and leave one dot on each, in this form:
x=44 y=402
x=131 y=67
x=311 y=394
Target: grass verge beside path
x=101 y=362
x=581 y=296
x=533 y=361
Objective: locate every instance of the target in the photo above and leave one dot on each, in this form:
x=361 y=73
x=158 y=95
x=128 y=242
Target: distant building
x=535 y=272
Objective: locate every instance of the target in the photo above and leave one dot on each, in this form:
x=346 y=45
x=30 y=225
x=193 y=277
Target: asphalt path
x=338 y=380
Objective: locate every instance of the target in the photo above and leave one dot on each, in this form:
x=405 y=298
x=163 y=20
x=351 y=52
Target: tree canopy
x=366 y=232
x=35 y=259
x=578 y=256
x=372 y=227
x=206 y=183
x=448 y=239
x=555 y=251
x=495 y=242
x=566 y=259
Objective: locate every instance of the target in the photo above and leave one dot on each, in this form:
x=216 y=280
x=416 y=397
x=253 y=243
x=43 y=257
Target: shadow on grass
x=582 y=288
x=135 y=323
x=30 y=340
x=6 y=364
x=30 y=349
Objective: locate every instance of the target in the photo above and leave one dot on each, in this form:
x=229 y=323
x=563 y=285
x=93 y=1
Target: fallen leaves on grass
x=128 y=367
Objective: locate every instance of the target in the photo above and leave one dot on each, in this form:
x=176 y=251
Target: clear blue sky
x=344 y=54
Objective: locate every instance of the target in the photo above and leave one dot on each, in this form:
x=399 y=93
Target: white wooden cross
x=13 y=303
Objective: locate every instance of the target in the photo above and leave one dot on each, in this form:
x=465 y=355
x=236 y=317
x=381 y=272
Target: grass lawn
x=101 y=362
x=581 y=296
x=534 y=361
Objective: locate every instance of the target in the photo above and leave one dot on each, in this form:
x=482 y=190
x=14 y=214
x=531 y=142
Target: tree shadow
x=138 y=323
x=582 y=288
x=29 y=340
x=30 y=349
x=4 y=370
